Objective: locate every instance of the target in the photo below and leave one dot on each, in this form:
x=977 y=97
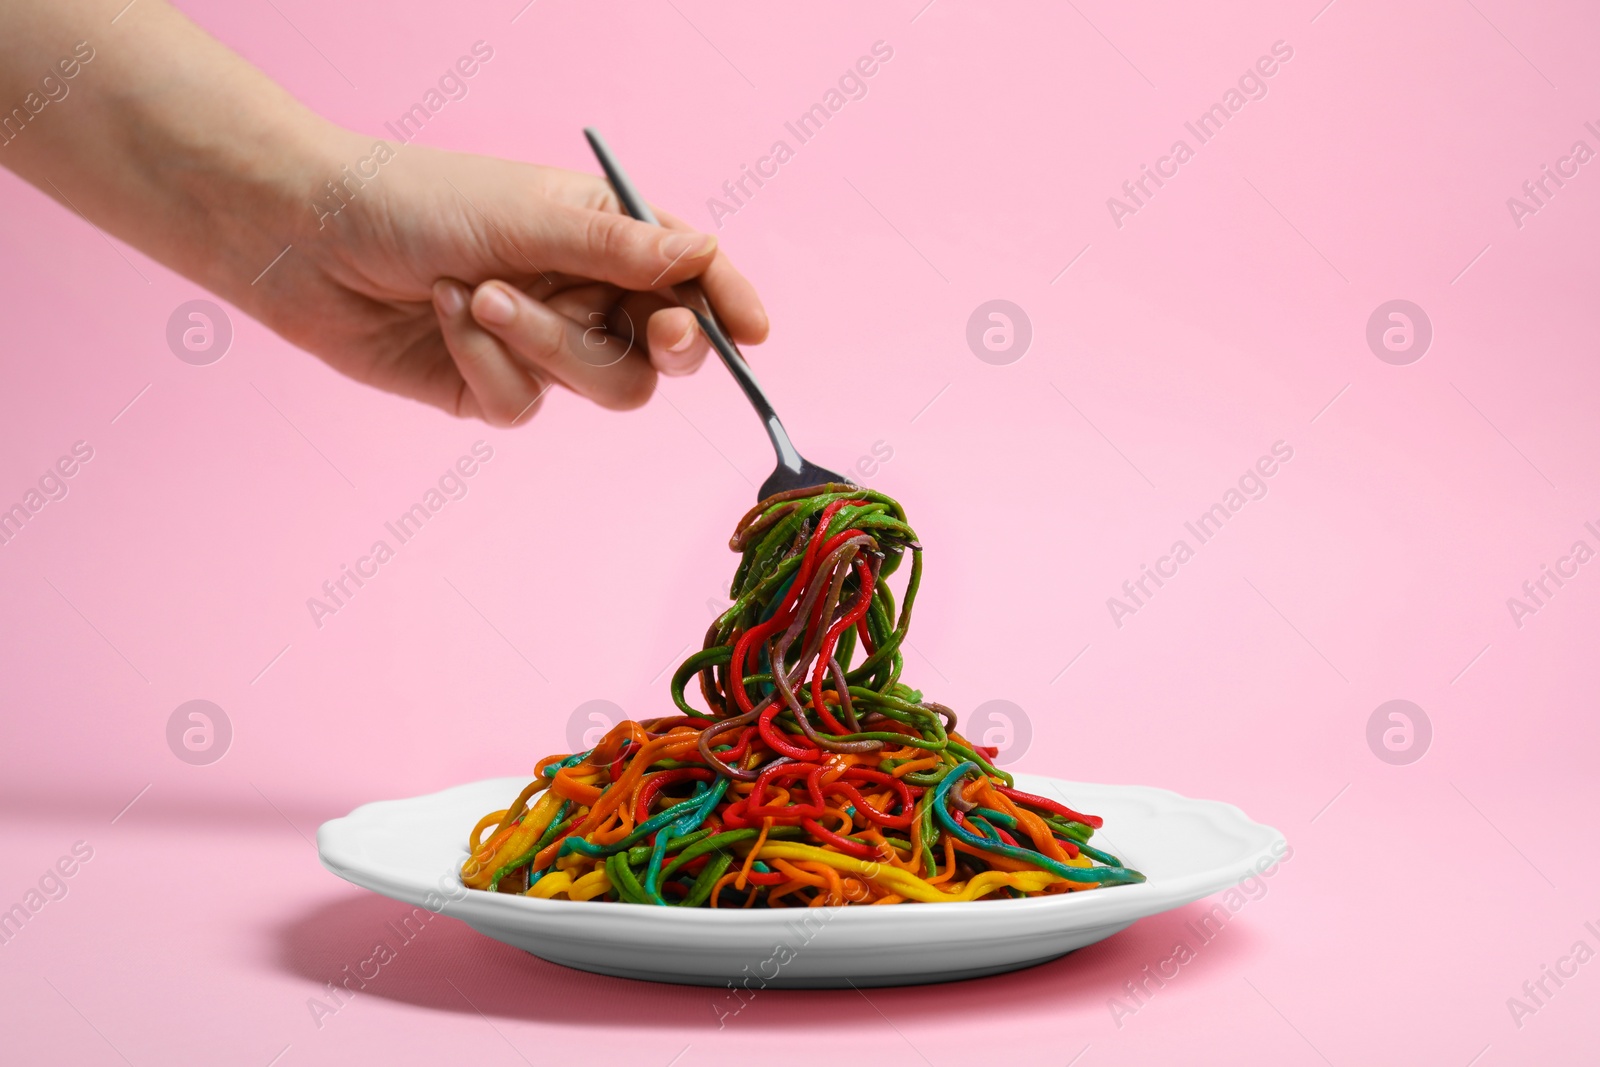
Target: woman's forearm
x=158 y=134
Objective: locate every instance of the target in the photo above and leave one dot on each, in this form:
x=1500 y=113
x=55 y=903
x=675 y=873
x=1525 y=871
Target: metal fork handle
x=690 y=295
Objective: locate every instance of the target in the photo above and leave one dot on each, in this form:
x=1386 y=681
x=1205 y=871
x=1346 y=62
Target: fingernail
x=682 y=344
x=680 y=245
x=493 y=306
x=450 y=297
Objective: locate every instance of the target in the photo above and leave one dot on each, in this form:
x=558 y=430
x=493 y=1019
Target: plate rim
x=497 y=908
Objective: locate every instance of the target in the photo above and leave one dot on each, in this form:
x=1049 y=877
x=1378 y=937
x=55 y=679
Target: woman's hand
x=469 y=283
x=475 y=284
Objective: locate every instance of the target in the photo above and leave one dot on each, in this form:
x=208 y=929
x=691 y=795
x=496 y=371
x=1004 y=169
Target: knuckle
x=552 y=337
x=615 y=240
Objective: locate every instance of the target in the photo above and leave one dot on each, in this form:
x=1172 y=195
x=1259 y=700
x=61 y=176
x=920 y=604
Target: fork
x=794 y=471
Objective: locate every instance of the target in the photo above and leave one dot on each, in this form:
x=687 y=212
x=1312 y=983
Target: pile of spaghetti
x=813 y=776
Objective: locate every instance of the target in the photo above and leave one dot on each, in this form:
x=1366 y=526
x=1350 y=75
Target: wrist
x=205 y=165
x=247 y=199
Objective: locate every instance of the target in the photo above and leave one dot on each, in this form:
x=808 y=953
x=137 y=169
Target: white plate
x=411 y=850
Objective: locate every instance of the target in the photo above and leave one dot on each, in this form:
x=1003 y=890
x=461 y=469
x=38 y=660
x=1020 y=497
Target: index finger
x=729 y=291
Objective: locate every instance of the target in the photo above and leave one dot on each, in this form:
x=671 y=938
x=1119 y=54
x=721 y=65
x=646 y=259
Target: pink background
x=1224 y=316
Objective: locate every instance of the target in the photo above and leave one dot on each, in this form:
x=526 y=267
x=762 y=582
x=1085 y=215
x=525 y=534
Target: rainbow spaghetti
x=809 y=779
